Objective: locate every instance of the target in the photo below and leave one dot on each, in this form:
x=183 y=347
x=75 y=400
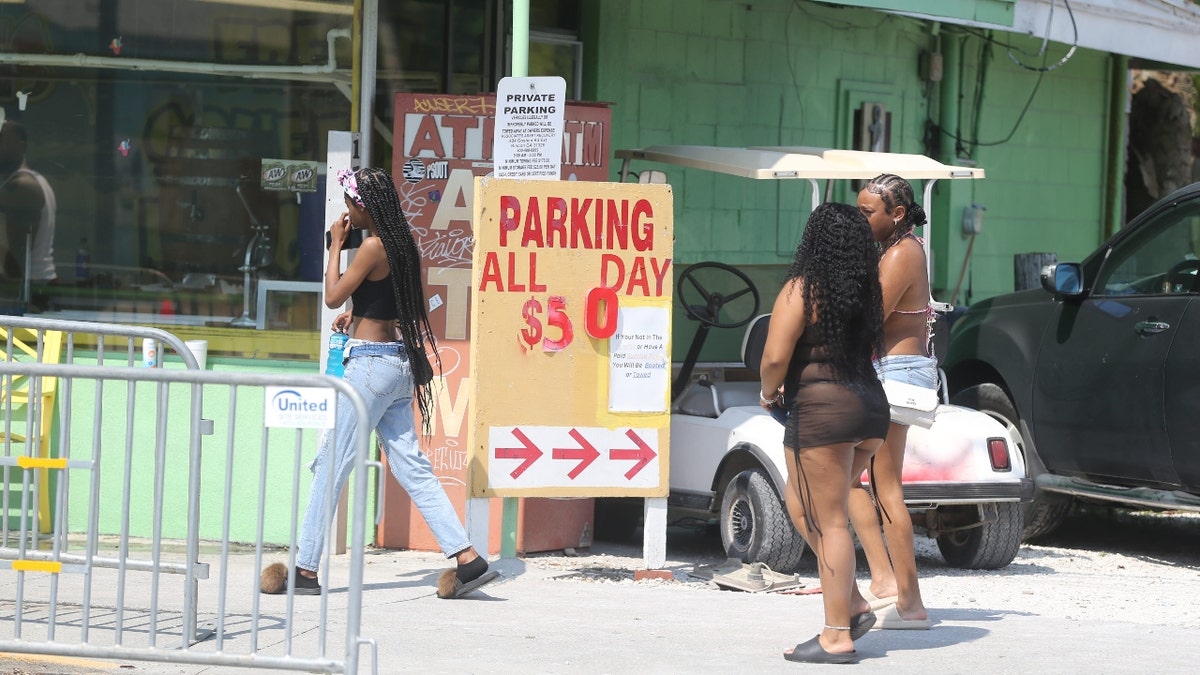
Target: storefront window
x=555 y=54
x=152 y=122
x=168 y=132
x=464 y=47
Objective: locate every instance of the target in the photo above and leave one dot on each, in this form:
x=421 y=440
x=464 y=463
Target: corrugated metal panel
x=997 y=12
x=1157 y=30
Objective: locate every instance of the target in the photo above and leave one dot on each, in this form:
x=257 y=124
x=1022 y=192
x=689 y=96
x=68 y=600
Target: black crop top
x=374 y=300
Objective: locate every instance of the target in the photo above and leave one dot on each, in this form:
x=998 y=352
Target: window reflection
x=154 y=142
x=1163 y=256
x=153 y=122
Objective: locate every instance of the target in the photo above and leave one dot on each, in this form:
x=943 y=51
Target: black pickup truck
x=1098 y=374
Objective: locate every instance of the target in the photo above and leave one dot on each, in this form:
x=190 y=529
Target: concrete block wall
x=128 y=446
x=1045 y=188
x=778 y=72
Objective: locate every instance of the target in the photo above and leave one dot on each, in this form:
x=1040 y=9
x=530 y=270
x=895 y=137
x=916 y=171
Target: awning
x=995 y=12
x=1157 y=30
x=805 y=163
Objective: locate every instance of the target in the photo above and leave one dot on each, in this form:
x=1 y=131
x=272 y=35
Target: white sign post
x=527 y=143
x=529 y=126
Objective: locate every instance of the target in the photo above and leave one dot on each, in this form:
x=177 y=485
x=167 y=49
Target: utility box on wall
x=442 y=142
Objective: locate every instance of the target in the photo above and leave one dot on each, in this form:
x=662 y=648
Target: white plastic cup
x=199 y=349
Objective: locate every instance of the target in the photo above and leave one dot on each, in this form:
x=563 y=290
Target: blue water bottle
x=337 y=347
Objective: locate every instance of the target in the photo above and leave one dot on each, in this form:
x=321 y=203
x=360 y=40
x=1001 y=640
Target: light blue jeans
x=920 y=371
x=379 y=371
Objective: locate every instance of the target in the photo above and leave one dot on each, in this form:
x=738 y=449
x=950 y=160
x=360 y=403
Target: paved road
x=1109 y=594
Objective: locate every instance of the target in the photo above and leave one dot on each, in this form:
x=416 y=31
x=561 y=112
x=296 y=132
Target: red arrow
x=642 y=453
x=530 y=453
x=586 y=453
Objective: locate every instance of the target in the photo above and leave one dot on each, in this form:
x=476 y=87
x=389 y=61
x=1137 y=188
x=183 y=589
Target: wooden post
x=654 y=533
x=1027 y=269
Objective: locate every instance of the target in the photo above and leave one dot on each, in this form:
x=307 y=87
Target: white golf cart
x=964 y=477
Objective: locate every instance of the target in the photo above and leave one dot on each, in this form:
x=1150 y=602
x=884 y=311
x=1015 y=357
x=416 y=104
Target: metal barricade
x=135 y=510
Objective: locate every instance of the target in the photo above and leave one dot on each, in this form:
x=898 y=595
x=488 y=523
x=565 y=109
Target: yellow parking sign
x=570 y=346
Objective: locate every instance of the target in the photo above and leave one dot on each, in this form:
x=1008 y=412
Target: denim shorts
x=911 y=369
x=356 y=348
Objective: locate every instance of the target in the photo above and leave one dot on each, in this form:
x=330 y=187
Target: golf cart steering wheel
x=708 y=312
x=1179 y=274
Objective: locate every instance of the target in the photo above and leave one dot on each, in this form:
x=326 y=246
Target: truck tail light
x=998 y=453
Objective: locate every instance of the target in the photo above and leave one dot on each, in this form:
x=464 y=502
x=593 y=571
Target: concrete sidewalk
x=550 y=617
x=551 y=613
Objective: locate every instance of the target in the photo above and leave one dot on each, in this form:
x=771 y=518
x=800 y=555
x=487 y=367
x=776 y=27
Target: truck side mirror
x=1065 y=279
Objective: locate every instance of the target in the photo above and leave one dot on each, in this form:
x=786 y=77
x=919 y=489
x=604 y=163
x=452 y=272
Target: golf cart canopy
x=799 y=162
x=811 y=164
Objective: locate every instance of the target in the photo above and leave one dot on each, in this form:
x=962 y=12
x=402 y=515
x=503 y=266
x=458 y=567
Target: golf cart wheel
x=984 y=536
x=1047 y=510
x=755 y=526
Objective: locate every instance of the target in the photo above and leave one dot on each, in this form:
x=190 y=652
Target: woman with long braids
x=386 y=363
x=889 y=205
x=825 y=327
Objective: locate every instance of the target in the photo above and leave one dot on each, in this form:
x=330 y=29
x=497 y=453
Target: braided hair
x=839 y=263
x=379 y=197
x=895 y=191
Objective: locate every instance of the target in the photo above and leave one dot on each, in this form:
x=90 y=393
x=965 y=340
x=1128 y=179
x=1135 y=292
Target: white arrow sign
x=532 y=456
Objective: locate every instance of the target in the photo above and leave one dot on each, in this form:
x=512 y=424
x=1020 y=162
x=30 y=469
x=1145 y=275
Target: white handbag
x=904 y=395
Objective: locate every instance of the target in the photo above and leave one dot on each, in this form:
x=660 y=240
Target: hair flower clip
x=349 y=181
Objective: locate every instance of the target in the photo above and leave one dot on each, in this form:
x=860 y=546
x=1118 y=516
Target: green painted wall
x=777 y=72
x=239 y=439
x=719 y=73
x=1045 y=188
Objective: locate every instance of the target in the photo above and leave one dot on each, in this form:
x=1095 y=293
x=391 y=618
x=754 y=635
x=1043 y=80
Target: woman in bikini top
x=887 y=534
x=902 y=327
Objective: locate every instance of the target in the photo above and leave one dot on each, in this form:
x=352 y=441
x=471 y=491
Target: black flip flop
x=813 y=652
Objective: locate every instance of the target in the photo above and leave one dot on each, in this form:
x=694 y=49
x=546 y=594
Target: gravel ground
x=1103 y=564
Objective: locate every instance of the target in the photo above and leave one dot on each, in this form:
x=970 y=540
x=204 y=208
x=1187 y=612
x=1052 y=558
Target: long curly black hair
x=839 y=263
x=895 y=191
x=378 y=193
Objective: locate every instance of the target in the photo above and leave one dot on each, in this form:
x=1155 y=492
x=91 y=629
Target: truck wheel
x=1045 y=513
x=1047 y=510
x=755 y=526
x=990 y=545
